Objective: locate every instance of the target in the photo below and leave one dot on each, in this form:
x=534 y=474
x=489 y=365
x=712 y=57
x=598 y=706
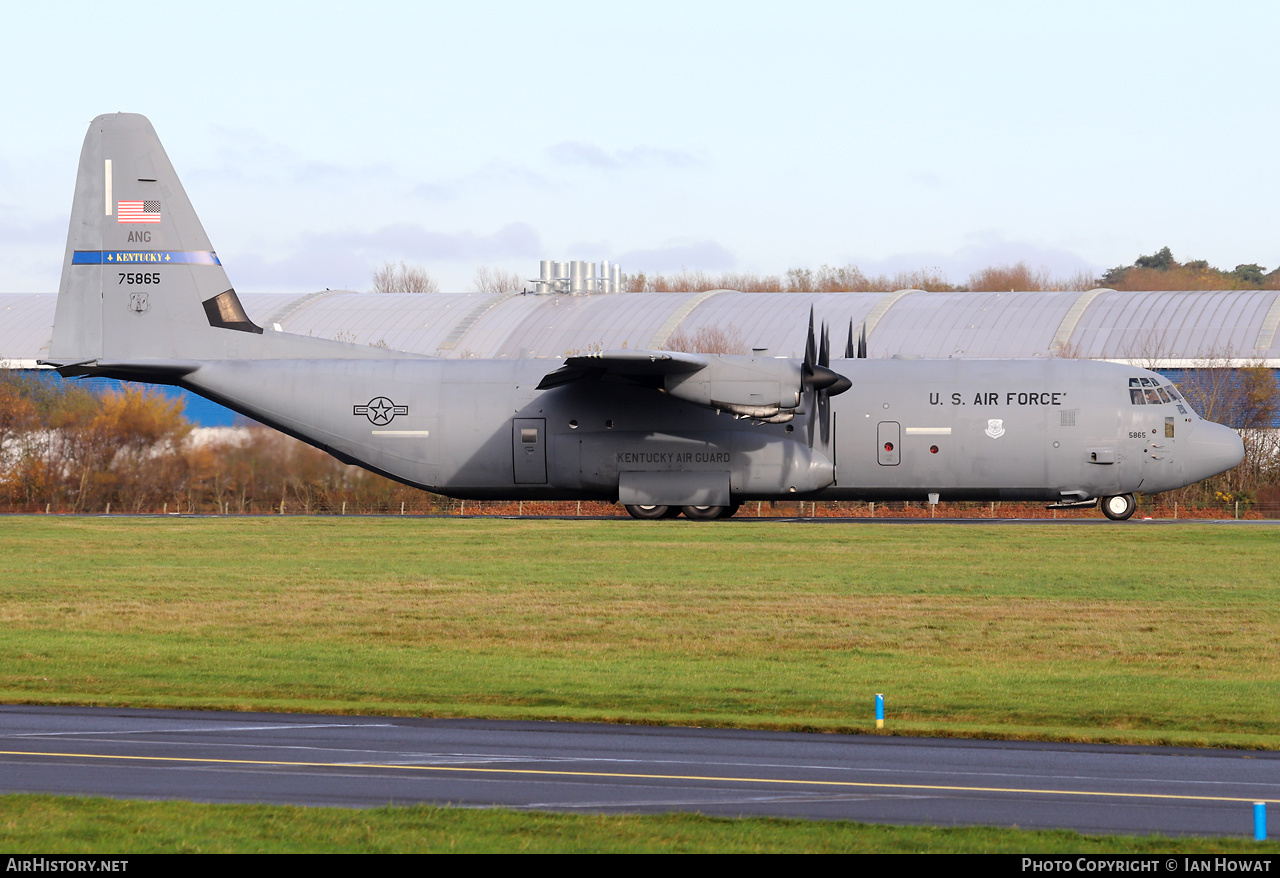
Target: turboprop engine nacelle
x=761 y=388
x=752 y=387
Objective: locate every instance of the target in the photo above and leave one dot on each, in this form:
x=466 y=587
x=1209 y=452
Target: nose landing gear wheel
x=1119 y=508
x=650 y=513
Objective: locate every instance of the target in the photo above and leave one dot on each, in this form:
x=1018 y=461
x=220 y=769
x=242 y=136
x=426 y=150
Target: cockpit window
x=1149 y=391
x=1135 y=392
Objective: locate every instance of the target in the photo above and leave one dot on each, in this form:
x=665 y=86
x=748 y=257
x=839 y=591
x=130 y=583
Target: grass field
x=1131 y=633
x=95 y=826
x=1121 y=633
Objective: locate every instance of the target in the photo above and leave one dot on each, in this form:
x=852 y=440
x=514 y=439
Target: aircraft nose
x=1214 y=449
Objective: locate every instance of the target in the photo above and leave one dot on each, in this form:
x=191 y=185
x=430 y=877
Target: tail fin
x=140 y=280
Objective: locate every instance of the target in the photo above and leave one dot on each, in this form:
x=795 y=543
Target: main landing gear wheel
x=708 y=513
x=652 y=513
x=1119 y=508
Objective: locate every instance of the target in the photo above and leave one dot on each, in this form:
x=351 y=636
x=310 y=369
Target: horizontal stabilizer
x=156 y=371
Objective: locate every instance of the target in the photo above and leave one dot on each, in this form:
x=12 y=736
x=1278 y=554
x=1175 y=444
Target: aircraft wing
x=624 y=363
x=760 y=388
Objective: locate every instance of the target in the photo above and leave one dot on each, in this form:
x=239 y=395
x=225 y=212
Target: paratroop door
x=529 y=450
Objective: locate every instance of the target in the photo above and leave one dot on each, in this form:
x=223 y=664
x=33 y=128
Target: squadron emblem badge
x=995 y=427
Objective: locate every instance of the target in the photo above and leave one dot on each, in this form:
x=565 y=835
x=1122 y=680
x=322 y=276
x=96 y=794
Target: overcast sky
x=318 y=140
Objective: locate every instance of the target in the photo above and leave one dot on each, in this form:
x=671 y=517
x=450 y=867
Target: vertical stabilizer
x=140 y=280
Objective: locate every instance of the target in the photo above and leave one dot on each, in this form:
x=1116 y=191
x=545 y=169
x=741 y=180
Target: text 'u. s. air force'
x=1007 y=397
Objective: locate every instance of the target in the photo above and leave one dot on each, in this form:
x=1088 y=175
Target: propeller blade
x=849 y=350
x=809 y=348
x=824 y=418
x=862 y=342
x=819 y=382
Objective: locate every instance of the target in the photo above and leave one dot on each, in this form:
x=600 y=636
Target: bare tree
x=1247 y=398
x=930 y=279
x=708 y=340
x=495 y=280
x=1081 y=280
x=698 y=281
x=392 y=278
x=1007 y=278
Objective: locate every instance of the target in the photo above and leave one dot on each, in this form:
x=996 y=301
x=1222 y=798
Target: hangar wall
x=1162 y=330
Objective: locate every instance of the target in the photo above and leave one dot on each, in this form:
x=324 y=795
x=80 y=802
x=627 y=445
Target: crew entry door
x=529 y=450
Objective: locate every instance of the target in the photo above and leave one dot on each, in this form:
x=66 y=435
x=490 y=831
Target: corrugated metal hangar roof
x=1164 y=329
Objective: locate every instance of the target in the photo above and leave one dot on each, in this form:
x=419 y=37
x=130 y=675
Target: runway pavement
x=366 y=761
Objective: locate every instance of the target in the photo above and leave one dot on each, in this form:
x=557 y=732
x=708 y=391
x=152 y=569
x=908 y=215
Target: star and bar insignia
x=380 y=410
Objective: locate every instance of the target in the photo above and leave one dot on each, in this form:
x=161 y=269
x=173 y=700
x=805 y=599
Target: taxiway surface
x=365 y=761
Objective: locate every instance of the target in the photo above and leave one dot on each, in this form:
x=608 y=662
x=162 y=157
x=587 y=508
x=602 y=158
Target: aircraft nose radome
x=1214 y=449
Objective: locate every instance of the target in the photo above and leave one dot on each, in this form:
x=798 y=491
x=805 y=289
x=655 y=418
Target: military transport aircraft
x=144 y=297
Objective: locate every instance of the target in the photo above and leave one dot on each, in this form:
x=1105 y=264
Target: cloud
x=514 y=240
x=246 y=156
x=345 y=260
x=31 y=231
x=578 y=153
x=31 y=250
x=30 y=268
x=984 y=250
x=491 y=175
x=675 y=255
x=928 y=180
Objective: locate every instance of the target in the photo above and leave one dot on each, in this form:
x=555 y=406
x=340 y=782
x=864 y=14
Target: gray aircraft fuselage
x=144 y=297
x=1067 y=428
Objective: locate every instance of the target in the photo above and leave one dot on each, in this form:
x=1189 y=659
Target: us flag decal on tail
x=138 y=211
